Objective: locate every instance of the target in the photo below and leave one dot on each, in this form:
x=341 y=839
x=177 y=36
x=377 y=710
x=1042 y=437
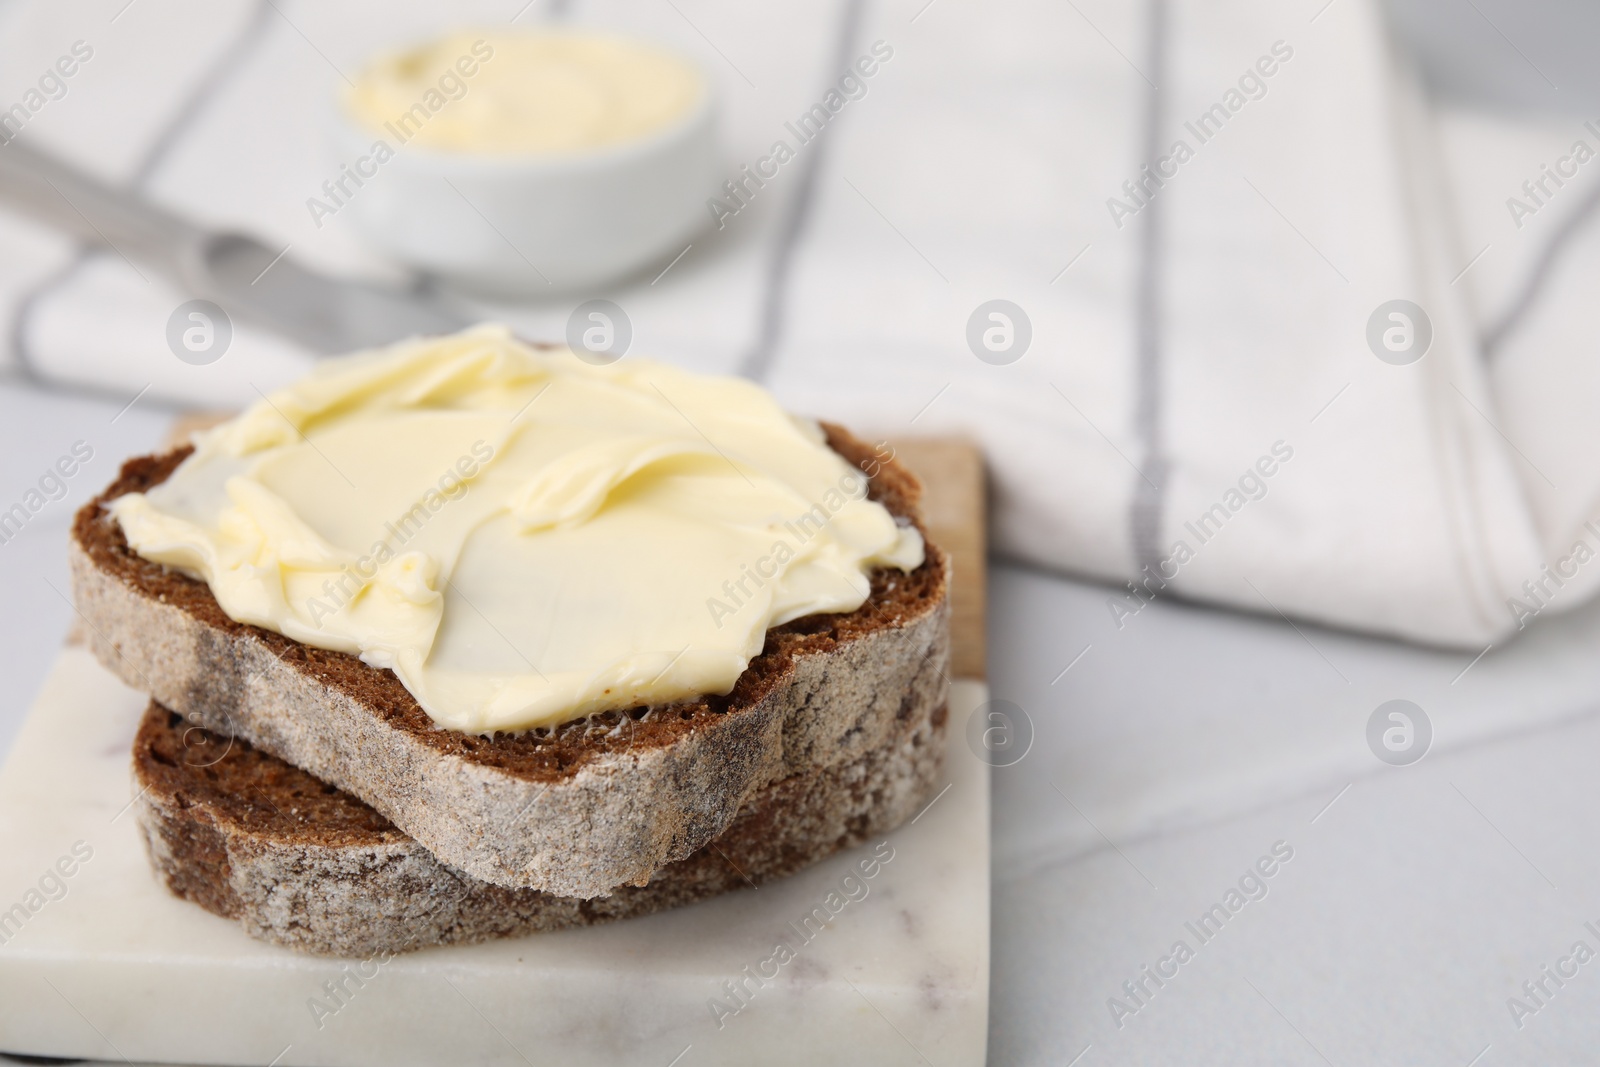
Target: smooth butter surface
x=523 y=538
x=524 y=93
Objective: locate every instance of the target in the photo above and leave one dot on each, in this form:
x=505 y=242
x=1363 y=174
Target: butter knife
x=248 y=279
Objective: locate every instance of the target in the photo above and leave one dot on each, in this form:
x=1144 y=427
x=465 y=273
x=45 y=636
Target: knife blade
x=246 y=277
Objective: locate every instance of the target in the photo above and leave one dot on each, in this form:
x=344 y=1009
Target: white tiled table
x=1414 y=906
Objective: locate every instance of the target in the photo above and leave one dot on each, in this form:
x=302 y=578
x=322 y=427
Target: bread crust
x=576 y=811
x=255 y=840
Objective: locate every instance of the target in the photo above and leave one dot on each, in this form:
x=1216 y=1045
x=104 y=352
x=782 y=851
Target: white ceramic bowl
x=531 y=225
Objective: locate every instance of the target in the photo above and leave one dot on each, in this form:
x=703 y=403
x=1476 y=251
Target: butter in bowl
x=525 y=164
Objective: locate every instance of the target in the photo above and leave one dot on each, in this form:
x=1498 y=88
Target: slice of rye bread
x=302 y=864
x=575 y=810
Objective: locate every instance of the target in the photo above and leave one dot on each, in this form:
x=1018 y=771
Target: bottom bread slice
x=302 y=864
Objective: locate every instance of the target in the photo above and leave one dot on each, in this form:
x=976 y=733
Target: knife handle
x=41 y=187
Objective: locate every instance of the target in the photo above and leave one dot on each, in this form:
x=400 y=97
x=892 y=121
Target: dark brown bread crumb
x=240 y=786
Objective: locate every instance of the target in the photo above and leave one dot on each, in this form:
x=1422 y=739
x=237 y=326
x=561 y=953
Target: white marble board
x=107 y=965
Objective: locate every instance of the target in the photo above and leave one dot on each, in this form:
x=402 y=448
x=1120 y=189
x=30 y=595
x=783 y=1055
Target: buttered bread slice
x=576 y=803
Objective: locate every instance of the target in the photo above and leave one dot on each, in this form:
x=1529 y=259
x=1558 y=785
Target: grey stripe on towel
x=1145 y=512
